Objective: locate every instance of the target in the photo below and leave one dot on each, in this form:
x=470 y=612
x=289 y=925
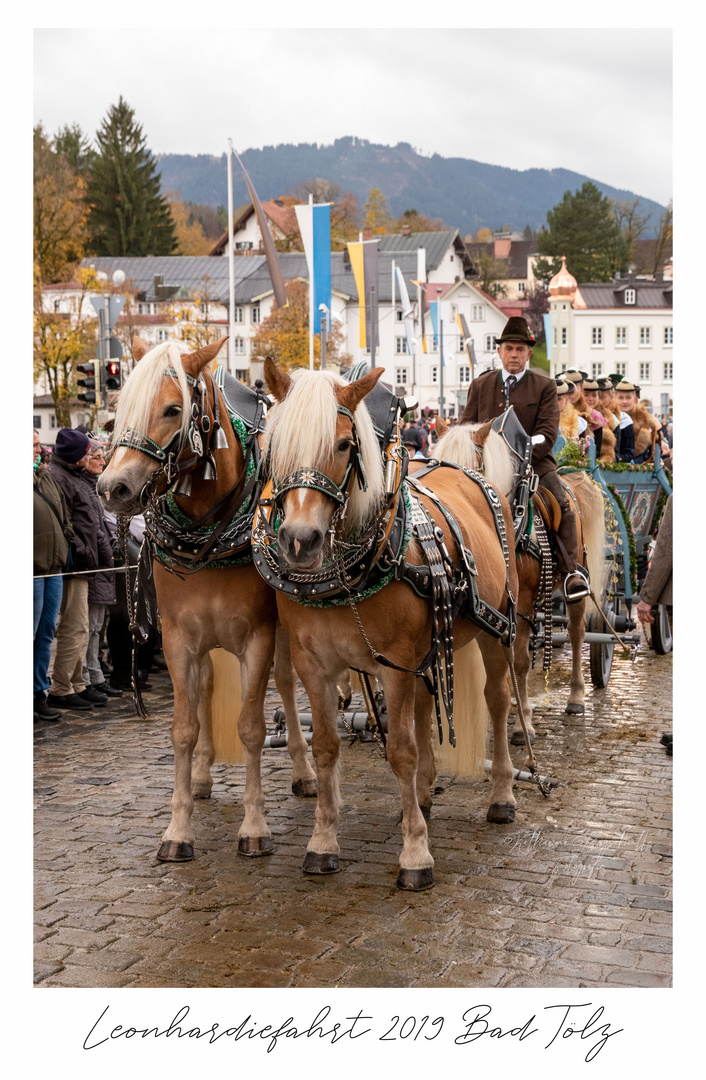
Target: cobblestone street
x=577 y=892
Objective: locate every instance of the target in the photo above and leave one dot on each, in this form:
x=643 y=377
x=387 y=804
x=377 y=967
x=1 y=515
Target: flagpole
x=231 y=265
x=311 y=295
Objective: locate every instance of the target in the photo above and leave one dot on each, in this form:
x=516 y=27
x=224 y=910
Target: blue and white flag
x=315 y=227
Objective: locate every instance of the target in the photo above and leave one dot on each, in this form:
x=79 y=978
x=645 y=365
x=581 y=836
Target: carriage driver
x=534 y=399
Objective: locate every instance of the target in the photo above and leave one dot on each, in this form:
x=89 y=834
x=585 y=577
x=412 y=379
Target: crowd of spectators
x=82 y=640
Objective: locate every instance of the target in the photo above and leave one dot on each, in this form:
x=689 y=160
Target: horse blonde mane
x=496 y=463
x=301 y=432
x=143 y=386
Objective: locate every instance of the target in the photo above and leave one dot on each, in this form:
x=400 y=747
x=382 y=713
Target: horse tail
x=225 y=706
x=467 y=758
x=591 y=505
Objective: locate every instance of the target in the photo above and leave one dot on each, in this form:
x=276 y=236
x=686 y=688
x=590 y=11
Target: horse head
x=323 y=458
x=155 y=420
x=478 y=447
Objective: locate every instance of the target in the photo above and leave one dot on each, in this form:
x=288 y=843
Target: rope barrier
x=83 y=573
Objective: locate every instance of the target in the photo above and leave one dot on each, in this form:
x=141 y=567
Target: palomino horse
x=463 y=444
x=227 y=606
x=316 y=434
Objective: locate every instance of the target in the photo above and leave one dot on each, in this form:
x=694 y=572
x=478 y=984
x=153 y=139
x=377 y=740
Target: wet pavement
x=577 y=892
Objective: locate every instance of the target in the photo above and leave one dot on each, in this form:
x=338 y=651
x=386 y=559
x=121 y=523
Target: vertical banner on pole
x=315 y=228
x=364 y=263
x=467 y=340
x=268 y=243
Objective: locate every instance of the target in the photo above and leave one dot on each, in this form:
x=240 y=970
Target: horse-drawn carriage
x=360 y=567
x=635 y=496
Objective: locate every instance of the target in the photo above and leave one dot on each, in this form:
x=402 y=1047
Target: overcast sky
x=598 y=102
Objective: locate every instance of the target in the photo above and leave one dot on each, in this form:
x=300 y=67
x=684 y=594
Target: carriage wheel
x=601 y=655
x=661 y=630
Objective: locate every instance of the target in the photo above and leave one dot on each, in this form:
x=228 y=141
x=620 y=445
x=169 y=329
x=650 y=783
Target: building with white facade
x=624 y=327
x=168 y=289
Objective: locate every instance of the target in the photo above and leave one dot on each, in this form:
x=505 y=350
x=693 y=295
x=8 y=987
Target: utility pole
x=441 y=356
x=373 y=325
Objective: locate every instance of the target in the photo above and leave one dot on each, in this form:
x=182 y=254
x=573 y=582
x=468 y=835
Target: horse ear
x=139 y=348
x=351 y=395
x=194 y=362
x=481 y=434
x=440 y=426
x=277 y=379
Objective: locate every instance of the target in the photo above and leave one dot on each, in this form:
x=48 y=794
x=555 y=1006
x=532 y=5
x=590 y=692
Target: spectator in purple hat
x=68 y=690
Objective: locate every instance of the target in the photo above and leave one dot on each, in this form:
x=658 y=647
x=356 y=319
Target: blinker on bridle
x=197 y=436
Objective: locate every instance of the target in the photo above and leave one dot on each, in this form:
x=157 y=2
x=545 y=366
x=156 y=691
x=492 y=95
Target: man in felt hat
x=534 y=399
x=646 y=427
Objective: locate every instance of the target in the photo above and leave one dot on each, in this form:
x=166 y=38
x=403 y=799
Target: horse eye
x=344 y=445
x=172 y=410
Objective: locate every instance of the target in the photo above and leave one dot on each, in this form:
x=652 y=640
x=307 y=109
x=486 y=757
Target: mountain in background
x=467 y=195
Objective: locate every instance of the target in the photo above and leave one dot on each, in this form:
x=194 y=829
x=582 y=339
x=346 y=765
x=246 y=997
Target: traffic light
x=113 y=375
x=90 y=382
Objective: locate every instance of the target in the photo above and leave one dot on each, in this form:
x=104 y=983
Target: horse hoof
x=518 y=738
x=175 y=851
x=574 y=708
x=501 y=814
x=426 y=812
x=305 y=789
x=416 y=880
x=201 y=791
x=255 y=845
x=320 y=864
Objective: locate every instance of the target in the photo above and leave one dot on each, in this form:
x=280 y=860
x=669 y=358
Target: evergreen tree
x=583 y=227
x=129 y=215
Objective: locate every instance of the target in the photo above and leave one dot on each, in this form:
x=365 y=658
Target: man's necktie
x=509 y=383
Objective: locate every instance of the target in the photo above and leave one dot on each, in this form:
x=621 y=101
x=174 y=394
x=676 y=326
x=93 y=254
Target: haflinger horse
x=327 y=476
x=169 y=391
x=478 y=446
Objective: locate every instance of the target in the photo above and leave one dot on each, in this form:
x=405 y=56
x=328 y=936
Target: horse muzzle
x=301 y=546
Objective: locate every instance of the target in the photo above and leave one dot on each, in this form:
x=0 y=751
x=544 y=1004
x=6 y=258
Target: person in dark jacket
x=101 y=587
x=68 y=690
x=534 y=399
x=52 y=535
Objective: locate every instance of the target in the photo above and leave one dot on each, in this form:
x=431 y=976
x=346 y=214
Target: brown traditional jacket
x=534 y=400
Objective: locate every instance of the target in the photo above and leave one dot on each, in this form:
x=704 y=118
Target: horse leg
x=577 y=632
x=416 y=862
x=497 y=696
x=323 y=850
x=254 y=835
x=522 y=666
x=201 y=781
x=426 y=767
x=185 y=668
x=303 y=775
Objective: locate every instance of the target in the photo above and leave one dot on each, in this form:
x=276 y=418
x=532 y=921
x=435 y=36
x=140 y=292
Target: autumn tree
x=484 y=235
x=376 y=215
x=537 y=307
x=417 y=222
x=584 y=228
x=64 y=339
x=284 y=334
x=492 y=273
x=60 y=212
x=193 y=318
x=665 y=237
x=188 y=230
x=129 y=215
x=631 y=222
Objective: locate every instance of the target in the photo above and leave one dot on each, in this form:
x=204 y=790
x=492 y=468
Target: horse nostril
x=119 y=491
